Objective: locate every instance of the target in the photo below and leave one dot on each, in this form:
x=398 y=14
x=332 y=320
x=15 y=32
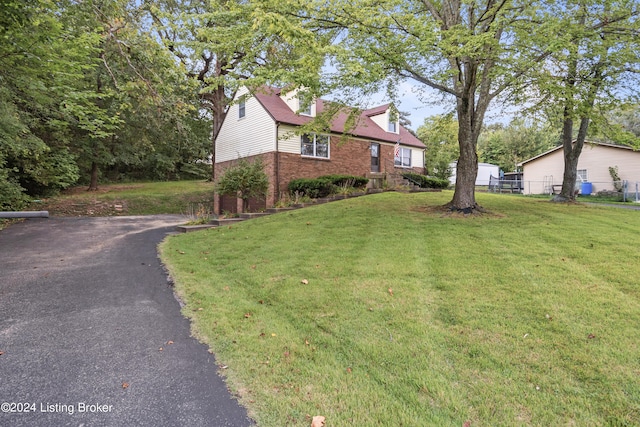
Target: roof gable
x=559 y=147
x=364 y=128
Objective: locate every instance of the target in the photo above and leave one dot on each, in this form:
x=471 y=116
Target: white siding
x=288 y=139
x=548 y=170
x=242 y=137
x=417 y=158
x=382 y=120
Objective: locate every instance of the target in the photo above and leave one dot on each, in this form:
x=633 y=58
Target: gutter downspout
x=276 y=166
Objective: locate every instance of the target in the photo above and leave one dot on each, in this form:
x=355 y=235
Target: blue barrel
x=586 y=188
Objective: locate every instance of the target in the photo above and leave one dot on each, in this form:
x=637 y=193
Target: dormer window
x=393 y=125
x=304 y=104
x=300 y=101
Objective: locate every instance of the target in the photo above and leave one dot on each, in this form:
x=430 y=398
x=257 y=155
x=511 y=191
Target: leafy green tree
x=38 y=71
x=621 y=125
x=141 y=119
x=439 y=134
x=592 y=67
x=508 y=145
x=245 y=180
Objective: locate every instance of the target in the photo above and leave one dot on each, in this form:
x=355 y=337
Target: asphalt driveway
x=91 y=334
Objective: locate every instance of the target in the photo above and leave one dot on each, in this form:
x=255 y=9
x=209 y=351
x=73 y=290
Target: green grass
x=527 y=316
x=136 y=198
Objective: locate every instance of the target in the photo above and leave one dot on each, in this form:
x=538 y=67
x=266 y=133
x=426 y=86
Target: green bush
x=325 y=185
x=311 y=187
x=347 y=180
x=244 y=180
x=426 y=181
x=12 y=196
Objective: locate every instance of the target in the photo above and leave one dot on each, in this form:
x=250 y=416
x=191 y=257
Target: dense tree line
x=86 y=92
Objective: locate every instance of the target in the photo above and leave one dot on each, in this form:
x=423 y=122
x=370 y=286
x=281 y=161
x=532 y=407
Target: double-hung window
x=582 y=175
x=314 y=145
x=242 y=109
x=403 y=158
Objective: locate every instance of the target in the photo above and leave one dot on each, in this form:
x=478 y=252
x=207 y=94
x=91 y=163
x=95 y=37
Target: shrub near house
x=325 y=185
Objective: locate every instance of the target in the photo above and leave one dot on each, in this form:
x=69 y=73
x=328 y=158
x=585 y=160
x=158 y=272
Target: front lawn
x=385 y=311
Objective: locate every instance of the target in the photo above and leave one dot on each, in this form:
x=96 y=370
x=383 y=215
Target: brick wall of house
x=352 y=157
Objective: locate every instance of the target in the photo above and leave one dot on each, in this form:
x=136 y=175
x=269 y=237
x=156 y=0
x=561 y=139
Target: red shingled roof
x=270 y=99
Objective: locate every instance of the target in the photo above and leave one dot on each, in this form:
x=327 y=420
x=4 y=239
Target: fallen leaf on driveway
x=1 y=352
x=125 y=385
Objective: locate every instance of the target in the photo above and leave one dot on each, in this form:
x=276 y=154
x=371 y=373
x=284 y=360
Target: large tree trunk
x=93 y=184
x=470 y=118
x=218 y=103
x=464 y=197
x=572 y=150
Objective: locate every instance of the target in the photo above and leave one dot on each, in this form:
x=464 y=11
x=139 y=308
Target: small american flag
x=396 y=150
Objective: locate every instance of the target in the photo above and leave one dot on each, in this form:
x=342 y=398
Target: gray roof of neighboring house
x=270 y=99
x=559 y=147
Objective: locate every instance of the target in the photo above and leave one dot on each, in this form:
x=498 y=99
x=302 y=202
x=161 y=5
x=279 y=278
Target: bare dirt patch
x=445 y=211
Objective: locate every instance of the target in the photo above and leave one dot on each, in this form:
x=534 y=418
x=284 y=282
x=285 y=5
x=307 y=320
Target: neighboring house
x=544 y=172
x=266 y=124
x=485 y=172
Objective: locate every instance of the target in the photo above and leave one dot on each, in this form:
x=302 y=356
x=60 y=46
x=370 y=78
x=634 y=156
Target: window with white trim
x=393 y=126
x=242 y=109
x=305 y=110
x=314 y=145
x=582 y=175
x=403 y=158
x=304 y=104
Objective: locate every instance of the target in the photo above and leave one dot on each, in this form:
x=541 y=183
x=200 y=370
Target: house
x=543 y=174
x=266 y=124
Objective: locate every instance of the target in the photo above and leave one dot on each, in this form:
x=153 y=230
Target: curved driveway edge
x=91 y=334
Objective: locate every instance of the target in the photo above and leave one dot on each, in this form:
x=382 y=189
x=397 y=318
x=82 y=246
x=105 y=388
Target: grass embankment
x=383 y=311
x=136 y=198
